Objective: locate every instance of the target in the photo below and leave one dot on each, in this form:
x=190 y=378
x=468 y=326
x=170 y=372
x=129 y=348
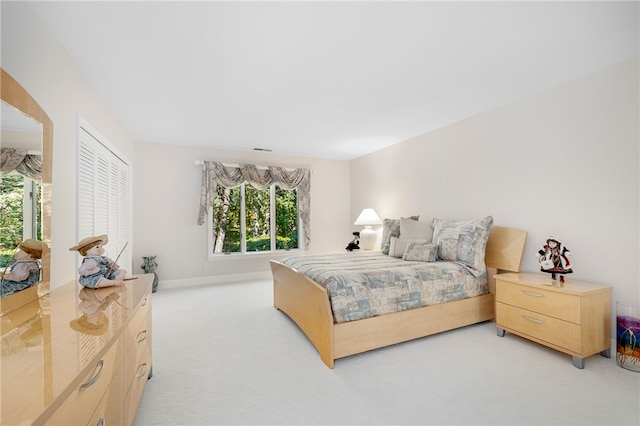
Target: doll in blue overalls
x=96 y=269
x=25 y=268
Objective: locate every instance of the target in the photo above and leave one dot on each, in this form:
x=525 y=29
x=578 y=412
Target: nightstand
x=573 y=317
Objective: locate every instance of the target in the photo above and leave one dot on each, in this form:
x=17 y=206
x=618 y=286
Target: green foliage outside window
x=286 y=219
x=11 y=214
x=227 y=219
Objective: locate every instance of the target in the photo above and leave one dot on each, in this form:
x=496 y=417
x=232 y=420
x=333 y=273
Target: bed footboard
x=354 y=337
x=307 y=304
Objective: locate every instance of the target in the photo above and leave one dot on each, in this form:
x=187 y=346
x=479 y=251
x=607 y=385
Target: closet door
x=104 y=200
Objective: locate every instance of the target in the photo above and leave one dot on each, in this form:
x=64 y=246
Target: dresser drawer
x=110 y=410
x=137 y=343
x=78 y=408
x=548 y=329
x=137 y=383
x=140 y=325
x=547 y=302
x=133 y=359
x=138 y=335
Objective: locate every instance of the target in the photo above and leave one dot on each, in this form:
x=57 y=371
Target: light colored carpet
x=224 y=356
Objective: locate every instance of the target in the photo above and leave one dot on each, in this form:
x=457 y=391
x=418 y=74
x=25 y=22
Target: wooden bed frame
x=307 y=304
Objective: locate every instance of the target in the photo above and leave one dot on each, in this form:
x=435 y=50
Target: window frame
x=243 y=231
x=31 y=200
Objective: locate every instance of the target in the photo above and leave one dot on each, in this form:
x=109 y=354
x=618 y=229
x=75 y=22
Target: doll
x=97 y=270
x=25 y=269
x=554 y=258
x=355 y=243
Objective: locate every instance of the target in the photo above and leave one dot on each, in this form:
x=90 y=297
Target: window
x=253 y=209
x=245 y=219
x=20 y=204
x=20 y=199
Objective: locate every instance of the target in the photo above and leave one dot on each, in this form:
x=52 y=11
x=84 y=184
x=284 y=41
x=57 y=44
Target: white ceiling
x=328 y=79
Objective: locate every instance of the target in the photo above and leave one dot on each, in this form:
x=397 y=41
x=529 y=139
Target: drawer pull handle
x=100 y=422
x=528 y=293
x=99 y=366
x=142 y=367
x=141 y=337
x=537 y=321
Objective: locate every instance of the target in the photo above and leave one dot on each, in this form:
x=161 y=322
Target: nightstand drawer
x=543 y=327
x=547 y=302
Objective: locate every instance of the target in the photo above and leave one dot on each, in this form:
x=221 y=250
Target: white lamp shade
x=368 y=236
x=368 y=217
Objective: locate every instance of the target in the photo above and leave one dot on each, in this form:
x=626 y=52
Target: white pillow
x=391 y=228
x=416 y=229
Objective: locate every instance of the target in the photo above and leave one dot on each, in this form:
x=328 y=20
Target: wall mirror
x=27 y=132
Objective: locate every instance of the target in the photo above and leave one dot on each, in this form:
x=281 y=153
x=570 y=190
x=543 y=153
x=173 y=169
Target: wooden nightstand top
x=541 y=280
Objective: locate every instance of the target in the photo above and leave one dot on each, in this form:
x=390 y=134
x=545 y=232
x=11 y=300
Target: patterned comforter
x=364 y=285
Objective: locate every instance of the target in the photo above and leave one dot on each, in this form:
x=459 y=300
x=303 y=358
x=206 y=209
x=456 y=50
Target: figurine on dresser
x=96 y=269
x=24 y=270
x=554 y=258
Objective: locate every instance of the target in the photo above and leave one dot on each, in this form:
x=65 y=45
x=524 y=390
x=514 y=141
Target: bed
x=308 y=304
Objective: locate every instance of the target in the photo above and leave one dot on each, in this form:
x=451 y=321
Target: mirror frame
x=15 y=95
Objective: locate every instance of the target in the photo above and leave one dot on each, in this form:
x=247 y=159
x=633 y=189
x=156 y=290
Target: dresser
x=77 y=356
x=573 y=317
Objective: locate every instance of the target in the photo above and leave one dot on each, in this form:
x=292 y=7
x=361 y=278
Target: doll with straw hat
x=25 y=268
x=96 y=269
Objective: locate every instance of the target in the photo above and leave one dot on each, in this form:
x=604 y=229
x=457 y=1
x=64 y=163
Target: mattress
x=367 y=284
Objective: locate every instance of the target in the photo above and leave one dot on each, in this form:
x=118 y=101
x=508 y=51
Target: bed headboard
x=505 y=248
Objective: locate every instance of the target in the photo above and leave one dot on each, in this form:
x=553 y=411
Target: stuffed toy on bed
x=355 y=243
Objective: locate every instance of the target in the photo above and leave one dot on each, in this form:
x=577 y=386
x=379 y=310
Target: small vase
x=149 y=266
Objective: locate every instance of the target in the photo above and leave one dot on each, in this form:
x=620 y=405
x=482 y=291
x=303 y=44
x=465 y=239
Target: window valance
x=21 y=161
x=216 y=174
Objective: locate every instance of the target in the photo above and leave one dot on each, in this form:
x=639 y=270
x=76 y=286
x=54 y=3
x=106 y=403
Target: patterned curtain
x=215 y=174
x=17 y=159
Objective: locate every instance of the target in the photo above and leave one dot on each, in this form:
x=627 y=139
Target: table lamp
x=368 y=236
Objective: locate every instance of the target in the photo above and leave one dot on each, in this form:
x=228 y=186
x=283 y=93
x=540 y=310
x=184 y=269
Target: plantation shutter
x=104 y=195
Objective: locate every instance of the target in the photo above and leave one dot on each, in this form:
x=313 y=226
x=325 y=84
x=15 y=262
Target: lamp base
x=368 y=238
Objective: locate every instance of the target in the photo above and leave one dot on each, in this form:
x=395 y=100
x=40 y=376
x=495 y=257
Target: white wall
x=38 y=62
x=563 y=162
x=165 y=181
x=167 y=187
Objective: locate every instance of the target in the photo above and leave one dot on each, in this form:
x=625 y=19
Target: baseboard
x=212 y=280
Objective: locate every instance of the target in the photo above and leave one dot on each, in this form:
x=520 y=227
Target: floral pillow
x=391 y=228
x=399 y=245
x=463 y=241
x=420 y=251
